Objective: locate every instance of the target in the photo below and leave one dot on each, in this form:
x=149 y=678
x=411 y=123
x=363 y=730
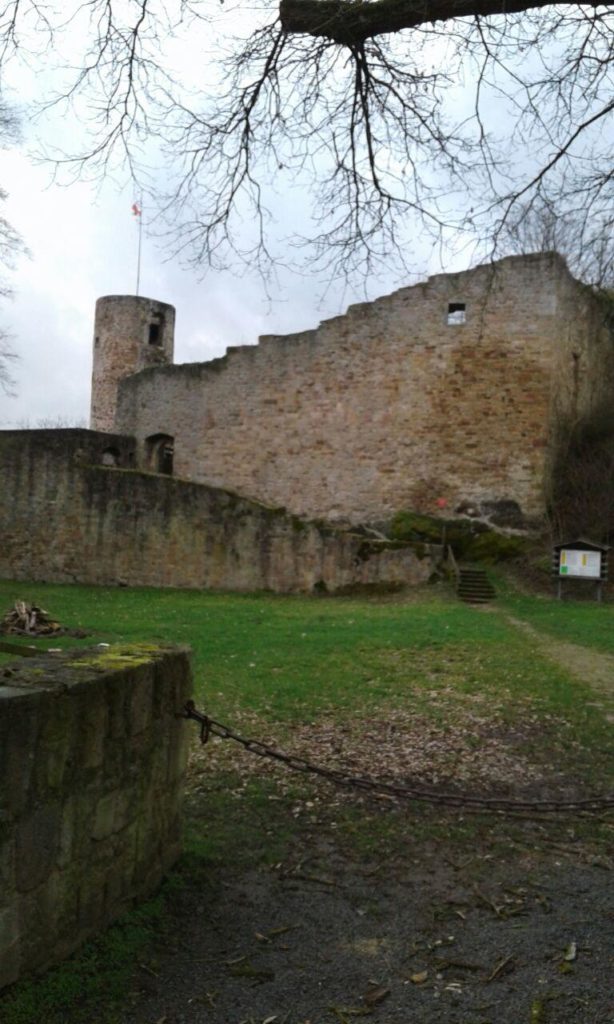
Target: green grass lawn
x=292 y=661
x=588 y=623
x=292 y=658
x=296 y=656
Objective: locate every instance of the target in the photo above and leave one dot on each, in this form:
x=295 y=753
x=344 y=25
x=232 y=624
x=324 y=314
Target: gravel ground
x=324 y=939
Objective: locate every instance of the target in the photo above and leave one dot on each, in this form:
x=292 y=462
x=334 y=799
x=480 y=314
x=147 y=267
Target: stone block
x=7 y=866
x=56 y=743
x=38 y=924
x=92 y=900
x=9 y=945
x=120 y=876
x=112 y=813
x=17 y=757
x=117 y=704
x=116 y=761
x=93 y=727
x=75 y=829
x=141 y=702
x=178 y=749
x=89 y=832
x=9 y=926
x=37 y=842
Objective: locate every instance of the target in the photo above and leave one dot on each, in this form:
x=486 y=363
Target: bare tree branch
x=351 y=22
x=357 y=100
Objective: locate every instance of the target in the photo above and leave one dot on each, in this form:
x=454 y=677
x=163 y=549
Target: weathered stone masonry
x=91 y=765
x=389 y=406
x=64 y=517
x=131 y=333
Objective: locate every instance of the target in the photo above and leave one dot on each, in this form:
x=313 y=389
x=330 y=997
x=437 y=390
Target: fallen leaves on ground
x=470 y=745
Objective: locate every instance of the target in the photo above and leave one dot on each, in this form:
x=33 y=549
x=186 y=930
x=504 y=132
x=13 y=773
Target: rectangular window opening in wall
x=155 y=332
x=456 y=313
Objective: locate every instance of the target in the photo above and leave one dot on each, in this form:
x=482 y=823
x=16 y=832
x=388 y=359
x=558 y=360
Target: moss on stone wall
x=495 y=547
x=470 y=540
x=411 y=526
x=582 y=498
x=116 y=658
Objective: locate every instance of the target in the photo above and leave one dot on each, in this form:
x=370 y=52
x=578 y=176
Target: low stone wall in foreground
x=91 y=766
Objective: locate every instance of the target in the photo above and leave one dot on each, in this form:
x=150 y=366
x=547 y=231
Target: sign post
x=580 y=559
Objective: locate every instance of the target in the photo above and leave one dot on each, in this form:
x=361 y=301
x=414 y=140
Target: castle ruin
x=459 y=389
x=452 y=397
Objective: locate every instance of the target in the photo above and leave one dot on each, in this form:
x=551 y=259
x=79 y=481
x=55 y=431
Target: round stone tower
x=130 y=333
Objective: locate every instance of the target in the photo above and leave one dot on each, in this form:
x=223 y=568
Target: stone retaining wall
x=91 y=766
x=64 y=520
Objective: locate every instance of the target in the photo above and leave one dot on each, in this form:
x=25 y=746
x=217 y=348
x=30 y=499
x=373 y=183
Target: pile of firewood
x=29 y=620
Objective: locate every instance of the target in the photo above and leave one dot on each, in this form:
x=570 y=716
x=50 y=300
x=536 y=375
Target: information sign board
x=580 y=563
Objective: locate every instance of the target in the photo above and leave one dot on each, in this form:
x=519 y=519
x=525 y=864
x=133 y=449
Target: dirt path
x=595 y=668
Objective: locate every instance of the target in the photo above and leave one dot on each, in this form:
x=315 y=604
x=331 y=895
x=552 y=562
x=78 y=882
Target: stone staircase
x=474 y=587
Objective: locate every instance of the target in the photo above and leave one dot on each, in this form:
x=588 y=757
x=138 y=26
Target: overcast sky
x=83 y=244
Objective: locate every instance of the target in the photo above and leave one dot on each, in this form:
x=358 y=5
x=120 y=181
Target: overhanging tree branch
x=351 y=22
x=373 y=122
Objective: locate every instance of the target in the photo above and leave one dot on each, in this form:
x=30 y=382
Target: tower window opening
x=456 y=313
x=155 y=332
x=110 y=457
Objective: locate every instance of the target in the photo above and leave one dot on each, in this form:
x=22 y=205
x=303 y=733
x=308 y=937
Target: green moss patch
x=471 y=541
x=116 y=658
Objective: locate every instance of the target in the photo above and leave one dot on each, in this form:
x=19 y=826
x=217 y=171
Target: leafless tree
x=361 y=97
x=587 y=244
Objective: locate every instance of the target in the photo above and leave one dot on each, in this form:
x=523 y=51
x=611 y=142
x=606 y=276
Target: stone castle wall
x=66 y=518
x=91 y=766
x=389 y=407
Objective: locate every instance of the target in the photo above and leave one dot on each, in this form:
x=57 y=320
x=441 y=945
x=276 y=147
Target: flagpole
x=138 y=261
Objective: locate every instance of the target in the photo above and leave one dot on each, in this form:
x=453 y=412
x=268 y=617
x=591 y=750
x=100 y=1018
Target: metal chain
x=366 y=783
